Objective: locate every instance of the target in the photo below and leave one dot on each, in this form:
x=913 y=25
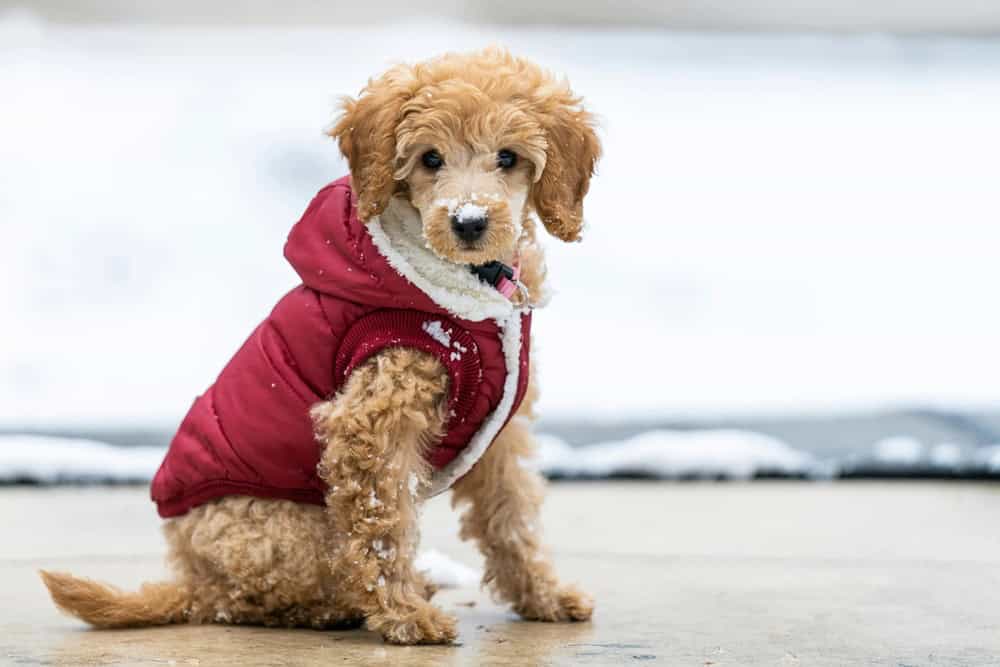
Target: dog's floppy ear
x=572 y=153
x=366 y=132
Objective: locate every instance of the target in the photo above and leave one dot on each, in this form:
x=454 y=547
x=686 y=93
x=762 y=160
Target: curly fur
x=503 y=499
x=279 y=563
x=477 y=102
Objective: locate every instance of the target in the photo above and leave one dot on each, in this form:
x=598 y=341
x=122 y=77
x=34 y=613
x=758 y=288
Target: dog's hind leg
x=257 y=561
x=374 y=434
x=236 y=560
x=503 y=500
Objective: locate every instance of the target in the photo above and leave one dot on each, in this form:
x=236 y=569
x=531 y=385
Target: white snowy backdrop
x=781 y=224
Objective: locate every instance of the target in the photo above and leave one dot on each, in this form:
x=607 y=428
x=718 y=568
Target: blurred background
x=792 y=238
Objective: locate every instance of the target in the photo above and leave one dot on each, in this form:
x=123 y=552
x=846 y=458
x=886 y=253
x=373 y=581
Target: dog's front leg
x=504 y=499
x=374 y=434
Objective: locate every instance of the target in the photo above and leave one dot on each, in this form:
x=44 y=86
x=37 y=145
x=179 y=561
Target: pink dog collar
x=504 y=278
x=507 y=286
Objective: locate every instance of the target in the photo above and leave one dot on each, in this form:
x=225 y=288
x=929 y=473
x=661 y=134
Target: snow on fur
x=470 y=211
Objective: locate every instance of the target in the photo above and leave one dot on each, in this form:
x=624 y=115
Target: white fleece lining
x=510 y=340
x=457 y=290
x=451 y=286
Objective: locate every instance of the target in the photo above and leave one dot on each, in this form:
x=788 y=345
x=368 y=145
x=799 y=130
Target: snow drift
x=661 y=454
x=677 y=454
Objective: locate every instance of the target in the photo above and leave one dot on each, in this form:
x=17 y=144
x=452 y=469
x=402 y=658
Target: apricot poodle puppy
x=397 y=370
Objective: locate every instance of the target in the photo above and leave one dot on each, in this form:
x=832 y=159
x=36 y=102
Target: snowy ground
x=722 y=454
x=795 y=223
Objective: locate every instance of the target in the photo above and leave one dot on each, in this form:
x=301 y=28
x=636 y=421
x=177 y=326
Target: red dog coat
x=251 y=434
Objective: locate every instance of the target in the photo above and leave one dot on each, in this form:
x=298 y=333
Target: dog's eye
x=432 y=160
x=506 y=159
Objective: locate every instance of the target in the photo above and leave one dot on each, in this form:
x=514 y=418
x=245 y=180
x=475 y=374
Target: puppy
x=398 y=369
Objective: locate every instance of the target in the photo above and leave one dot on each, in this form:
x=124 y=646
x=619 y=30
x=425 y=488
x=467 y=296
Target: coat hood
x=382 y=263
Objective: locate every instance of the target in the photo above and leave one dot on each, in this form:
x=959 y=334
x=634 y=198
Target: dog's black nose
x=468 y=229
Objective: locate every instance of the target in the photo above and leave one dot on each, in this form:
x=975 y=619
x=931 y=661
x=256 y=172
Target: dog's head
x=476 y=143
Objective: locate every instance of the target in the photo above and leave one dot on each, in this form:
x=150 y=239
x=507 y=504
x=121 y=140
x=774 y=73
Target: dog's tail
x=106 y=607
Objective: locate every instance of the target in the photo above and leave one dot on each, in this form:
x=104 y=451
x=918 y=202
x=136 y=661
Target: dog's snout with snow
x=469 y=221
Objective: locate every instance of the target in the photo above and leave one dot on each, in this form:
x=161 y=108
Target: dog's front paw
x=425 y=624
x=559 y=605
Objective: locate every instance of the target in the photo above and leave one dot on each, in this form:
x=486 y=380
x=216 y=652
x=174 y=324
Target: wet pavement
x=770 y=573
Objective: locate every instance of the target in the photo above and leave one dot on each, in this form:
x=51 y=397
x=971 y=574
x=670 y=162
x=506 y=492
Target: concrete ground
x=766 y=573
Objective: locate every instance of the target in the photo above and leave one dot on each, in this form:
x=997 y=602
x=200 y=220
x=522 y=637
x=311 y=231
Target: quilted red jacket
x=363 y=290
